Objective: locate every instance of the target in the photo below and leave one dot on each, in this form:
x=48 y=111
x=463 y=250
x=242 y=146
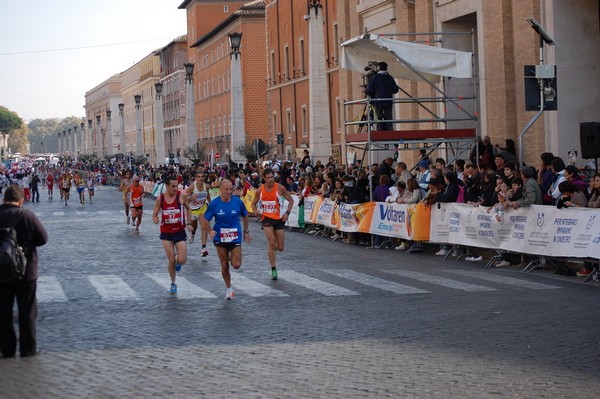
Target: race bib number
x=137 y=201
x=228 y=235
x=269 y=206
x=172 y=216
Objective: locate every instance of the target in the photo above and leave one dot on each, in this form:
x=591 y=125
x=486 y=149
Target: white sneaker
x=204 y=252
x=474 y=259
x=401 y=247
x=504 y=263
x=442 y=252
x=229 y=294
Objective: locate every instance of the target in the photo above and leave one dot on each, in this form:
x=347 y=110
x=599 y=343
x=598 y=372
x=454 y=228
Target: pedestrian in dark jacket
x=30 y=234
x=382 y=88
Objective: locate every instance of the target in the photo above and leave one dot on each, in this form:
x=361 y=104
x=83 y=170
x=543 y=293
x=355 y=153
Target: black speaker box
x=589 y=133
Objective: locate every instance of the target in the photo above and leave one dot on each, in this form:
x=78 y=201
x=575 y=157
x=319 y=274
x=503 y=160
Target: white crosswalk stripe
x=317 y=285
x=247 y=286
x=112 y=288
x=58 y=213
x=442 y=281
x=115 y=288
x=81 y=212
x=504 y=280
x=185 y=289
x=49 y=289
x=376 y=282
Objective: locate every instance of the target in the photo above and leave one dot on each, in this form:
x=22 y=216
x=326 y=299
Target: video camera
x=371 y=69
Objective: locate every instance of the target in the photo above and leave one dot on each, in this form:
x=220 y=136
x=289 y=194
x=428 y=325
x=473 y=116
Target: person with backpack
x=30 y=234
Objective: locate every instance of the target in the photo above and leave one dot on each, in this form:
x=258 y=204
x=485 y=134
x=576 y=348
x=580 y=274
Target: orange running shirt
x=270 y=203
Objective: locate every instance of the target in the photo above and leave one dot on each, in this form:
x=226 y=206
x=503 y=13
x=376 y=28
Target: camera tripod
x=368 y=114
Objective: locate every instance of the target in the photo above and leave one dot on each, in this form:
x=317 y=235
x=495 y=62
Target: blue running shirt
x=227 y=219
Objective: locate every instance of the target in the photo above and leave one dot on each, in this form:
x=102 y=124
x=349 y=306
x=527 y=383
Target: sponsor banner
x=390 y=220
x=327 y=214
x=311 y=207
x=293 y=218
x=247 y=200
x=536 y=230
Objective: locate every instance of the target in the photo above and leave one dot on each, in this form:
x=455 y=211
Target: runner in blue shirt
x=227 y=232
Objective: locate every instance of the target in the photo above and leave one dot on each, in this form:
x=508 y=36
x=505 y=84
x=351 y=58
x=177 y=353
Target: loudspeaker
x=589 y=134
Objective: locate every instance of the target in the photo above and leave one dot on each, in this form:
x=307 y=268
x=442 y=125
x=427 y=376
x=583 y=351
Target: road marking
x=504 y=280
x=112 y=288
x=185 y=289
x=103 y=212
x=58 y=213
x=81 y=212
x=247 y=286
x=49 y=289
x=444 y=282
x=376 y=282
x=314 y=284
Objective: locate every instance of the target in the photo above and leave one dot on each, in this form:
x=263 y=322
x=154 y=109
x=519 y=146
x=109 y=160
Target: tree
x=195 y=154
x=13 y=125
x=248 y=151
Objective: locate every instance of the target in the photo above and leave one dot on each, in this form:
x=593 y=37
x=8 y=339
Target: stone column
x=319 y=118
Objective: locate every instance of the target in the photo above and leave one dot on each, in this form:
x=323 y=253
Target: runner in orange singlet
x=136 y=191
x=273 y=223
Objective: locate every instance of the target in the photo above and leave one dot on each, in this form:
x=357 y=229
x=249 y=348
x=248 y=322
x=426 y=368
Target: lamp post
x=83 y=138
x=90 y=133
x=238 y=125
x=191 y=136
x=98 y=134
x=68 y=143
x=159 y=129
x=138 y=125
x=109 y=132
x=59 y=144
x=123 y=150
x=75 y=151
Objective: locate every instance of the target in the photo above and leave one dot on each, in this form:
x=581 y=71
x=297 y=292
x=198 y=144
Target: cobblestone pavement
x=342 y=321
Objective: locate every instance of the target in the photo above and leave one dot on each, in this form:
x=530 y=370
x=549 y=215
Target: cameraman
x=381 y=89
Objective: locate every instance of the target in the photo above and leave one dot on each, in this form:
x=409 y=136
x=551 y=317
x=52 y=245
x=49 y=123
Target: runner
x=227 y=231
x=67 y=180
x=136 y=192
x=123 y=187
x=50 y=184
x=80 y=185
x=174 y=209
x=197 y=194
x=273 y=222
x=90 y=186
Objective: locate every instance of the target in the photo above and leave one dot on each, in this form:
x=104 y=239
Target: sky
x=53 y=52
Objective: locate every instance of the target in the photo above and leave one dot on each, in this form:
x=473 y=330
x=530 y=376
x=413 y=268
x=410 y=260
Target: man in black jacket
x=30 y=234
x=382 y=86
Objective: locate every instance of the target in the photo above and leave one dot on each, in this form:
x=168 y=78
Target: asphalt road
x=342 y=321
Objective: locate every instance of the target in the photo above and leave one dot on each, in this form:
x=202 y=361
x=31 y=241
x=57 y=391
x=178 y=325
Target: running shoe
x=274 y=274
x=204 y=252
x=177 y=267
x=229 y=294
x=128 y=220
x=173 y=289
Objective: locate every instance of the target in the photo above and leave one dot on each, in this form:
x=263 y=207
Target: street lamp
x=238 y=129
x=109 y=133
x=191 y=136
x=159 y=130
x=75 y=152
x=235 y=40
x=122 y=148
x=90 y=135
x=83 y=142
x=138 y=124
x=98 y=134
